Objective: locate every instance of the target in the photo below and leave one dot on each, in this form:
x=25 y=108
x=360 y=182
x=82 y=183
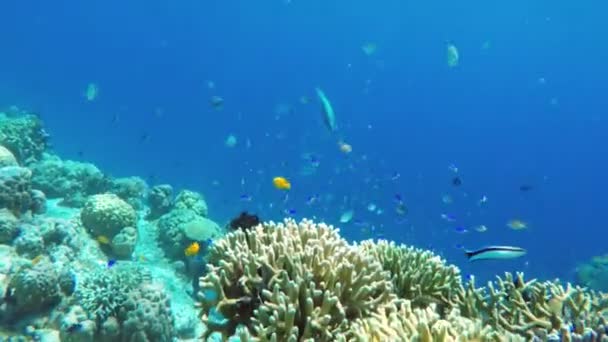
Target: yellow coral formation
x=418 y=275
x=291 y=281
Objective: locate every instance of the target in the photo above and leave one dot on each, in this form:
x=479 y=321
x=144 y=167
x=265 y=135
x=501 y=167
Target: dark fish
x=495 y=253
x=456 y=181
x=111 y=263
x=525 y=187
x=144 y=137
x=216 y=102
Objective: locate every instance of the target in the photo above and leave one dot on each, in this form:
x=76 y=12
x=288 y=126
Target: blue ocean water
x=524 y=106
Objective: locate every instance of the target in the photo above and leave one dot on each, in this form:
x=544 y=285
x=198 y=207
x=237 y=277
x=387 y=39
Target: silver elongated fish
x=495 y=253
x=329 y=116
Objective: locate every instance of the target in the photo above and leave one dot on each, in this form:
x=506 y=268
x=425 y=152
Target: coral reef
x=121 y=303
x=8 y=226
x=16 y=192
x=160 y=200
x=174 y=227
x=290 y=281
x=594 y=273
x=131 y=189
x=7 y=158
x=24 y=136
x=417 y=275
x=71 y=180
x=106 y=215
x=191 y=200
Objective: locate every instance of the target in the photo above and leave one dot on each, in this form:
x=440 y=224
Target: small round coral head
x=516 y=224
x=192 y=249
x=281 y=183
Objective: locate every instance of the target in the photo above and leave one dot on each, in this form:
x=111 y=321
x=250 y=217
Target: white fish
x=346 y=216
x=495 y=253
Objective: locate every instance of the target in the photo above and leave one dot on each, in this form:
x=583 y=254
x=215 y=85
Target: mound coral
x=34 y=288
x=7 y=158
x=290 y=281
x=191 y=200
x=130 y=189
x=594 y=273
x=122 y=303
x=160 y=200
x=417 y=275
x=24 y=136
x=16 y=189
x=8 y=226
x=106 y=215
x=179 y=227
x=71 y=180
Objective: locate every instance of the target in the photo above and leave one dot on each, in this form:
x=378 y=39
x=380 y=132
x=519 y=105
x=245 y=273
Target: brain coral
x=24 y=136
x=6 y=157
x=148 y=316
x=290 y=281
x=106 y=215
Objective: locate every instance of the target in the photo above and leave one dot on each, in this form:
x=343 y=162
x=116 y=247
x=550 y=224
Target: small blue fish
x=398 y=198
x=111 y=263
x=246 y=198
x=459 y=246
x=495 y=253
x=289 y=212
x=461 y=230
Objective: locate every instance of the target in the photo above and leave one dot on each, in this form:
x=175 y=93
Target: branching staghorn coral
x=291 y=282
x=532 y=308
x=400 y=322
x=417 y=275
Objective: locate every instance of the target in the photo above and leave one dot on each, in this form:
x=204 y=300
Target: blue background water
x=402 y=109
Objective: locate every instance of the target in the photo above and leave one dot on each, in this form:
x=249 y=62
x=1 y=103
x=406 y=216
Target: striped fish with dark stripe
x=495 y=253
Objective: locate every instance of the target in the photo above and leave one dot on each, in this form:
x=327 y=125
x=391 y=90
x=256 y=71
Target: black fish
x=456 y=181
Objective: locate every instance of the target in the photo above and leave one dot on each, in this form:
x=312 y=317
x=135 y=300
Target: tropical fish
x=495 y=253
x=37 y=259
x=346 y=216
x=481 y=228
x=281 y=183
x=102 y=239
x=111 y=263
x=452 y=55
x=369 y=48
x=517 y=224
x=344 y=147
x=192 y=249
x=329 y=116
x=216 y=102
x=91 y=92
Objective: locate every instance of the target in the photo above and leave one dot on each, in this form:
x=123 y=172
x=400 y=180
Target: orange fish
x=281 y=183
x=192 y=249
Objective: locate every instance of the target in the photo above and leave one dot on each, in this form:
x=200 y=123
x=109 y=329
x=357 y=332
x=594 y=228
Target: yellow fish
x=281 y=183
x=517 y=224
x=102 y=239
x=192 y=249
x=37 y=259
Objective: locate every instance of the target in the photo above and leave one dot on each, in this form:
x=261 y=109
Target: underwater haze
x=219 y=97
